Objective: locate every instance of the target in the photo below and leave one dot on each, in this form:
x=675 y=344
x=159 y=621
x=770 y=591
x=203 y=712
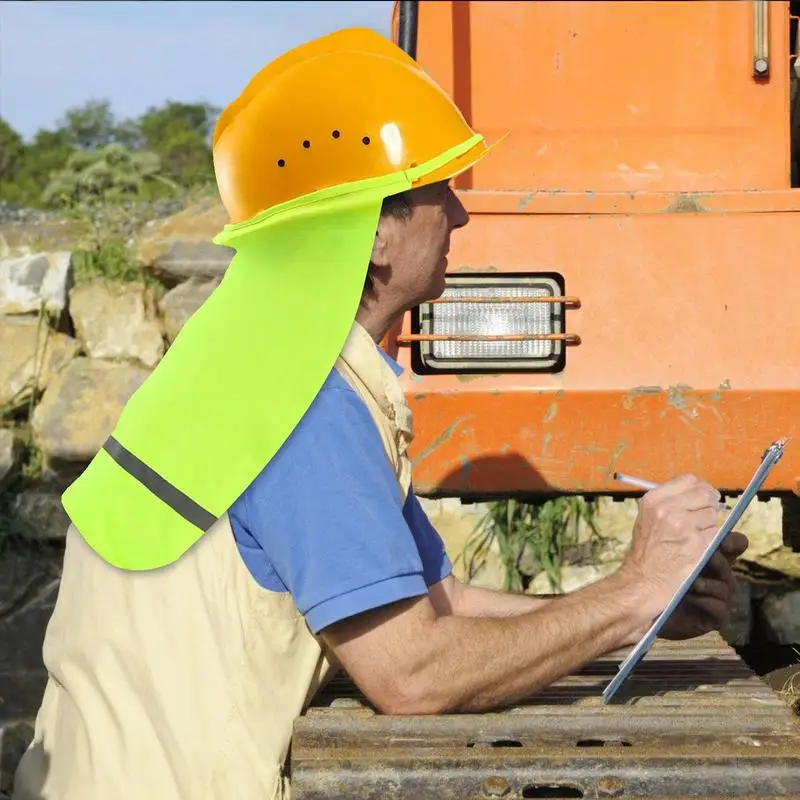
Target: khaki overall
x=184 y=682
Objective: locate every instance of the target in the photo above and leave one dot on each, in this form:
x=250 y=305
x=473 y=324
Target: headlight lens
x=451 y=316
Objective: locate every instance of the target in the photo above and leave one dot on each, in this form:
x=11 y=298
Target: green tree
x=158 y=124
x=11 y=152
x=90 y=126
x=180 y=133
x=33 y=166
x=109 y=175
x=127 y=133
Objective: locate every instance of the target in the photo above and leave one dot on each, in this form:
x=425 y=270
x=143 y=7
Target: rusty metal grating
x=693 y=721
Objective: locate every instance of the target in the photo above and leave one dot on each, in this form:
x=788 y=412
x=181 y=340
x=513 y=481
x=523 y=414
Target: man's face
x=411 y=252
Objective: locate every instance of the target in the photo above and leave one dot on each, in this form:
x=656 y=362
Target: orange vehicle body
x=649 y=166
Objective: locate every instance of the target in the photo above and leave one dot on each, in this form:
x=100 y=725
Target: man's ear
x=380 y=247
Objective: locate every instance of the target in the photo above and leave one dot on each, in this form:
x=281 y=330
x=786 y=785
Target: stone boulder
x=28 y=282
x=15 y=737
x=780 y=614
x=573 y=577
x=81 y=407
x=117 y=321
x=39 y=514
x=180 y=247
x=736 y=630
x=8 y=453
x=29 y=581
x=41 y=233
x=180 y=303
x=30 y=355
x=762 y=523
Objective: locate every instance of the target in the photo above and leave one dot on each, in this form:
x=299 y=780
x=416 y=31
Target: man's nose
x=458 y=214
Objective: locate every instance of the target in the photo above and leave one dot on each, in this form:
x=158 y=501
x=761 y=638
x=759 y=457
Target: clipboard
x=770 y=458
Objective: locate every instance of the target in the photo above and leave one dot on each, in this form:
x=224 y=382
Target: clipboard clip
x=776 y=449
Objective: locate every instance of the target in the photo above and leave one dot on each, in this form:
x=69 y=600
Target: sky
x=57 y=55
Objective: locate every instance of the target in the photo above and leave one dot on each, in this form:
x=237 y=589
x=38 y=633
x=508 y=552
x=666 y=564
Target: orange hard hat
x=342 y=108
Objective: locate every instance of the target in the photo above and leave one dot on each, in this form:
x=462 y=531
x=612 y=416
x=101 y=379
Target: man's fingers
x=711 y=588
x=687 y=487
x=715 y=608
x=700 y=498
x=718 y=567
x=734 y=545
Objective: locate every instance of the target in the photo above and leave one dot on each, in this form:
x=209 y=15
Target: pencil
x=647 y=486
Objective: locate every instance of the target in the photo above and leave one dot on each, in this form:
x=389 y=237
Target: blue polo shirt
x=325 y=519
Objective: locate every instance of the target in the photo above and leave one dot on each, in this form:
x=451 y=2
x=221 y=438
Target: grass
x=531 y=538
x=112 y=259
x=790 y=692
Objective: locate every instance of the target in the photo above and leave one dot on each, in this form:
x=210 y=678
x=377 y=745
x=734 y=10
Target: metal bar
x=761 y=38
x=570 y=302
x=407 y=34
x=447 y=776
x=700 y=724
x=568 y=338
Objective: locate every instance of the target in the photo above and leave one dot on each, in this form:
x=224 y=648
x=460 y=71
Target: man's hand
x=708 y=603
x=676 y=523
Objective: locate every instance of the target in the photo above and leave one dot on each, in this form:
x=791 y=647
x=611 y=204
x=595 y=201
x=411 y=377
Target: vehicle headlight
x=494 y=323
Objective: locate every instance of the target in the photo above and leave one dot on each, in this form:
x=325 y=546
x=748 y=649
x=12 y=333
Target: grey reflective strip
x=174 y=498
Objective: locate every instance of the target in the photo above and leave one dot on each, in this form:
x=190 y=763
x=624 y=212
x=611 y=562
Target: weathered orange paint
x=614 y=96
x=648 y=167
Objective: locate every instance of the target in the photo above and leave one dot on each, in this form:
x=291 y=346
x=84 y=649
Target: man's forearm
x=471 y=664
x=472 y=601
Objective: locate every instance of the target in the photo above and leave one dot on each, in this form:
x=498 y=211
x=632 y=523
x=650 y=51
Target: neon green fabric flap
x=241 y=373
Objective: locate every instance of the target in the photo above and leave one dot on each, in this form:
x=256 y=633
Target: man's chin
x=433 y=291
x=437 y=290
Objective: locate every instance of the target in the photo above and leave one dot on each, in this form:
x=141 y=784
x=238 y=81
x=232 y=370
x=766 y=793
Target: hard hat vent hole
x=281 y=162
x=306 y=144
x=365 y=140
x=336 y=134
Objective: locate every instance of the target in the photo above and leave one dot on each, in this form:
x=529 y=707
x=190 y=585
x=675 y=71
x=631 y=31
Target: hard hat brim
x=460 y=164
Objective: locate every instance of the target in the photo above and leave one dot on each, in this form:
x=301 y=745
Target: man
x=215 y=575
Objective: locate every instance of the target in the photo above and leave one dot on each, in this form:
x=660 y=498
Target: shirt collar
x=393 y=365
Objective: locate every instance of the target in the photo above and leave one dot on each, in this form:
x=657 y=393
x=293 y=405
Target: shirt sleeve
x=329 y=516
x=436 y=564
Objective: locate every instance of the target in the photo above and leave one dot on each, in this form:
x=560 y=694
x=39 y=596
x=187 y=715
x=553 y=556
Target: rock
x=14 y=740
x=182 y=260
x=29 y=579
x=572 y=578
x=615 y=519
x=38 y=234
x=786 y=682
x=81 y=407
x=27 y=282
x=180 y=303
x=20 y=357
x=781 y=617
x=762 y=523
x=456 y=522
x=39 y=514
x=181 y=247
x=8 y=453
x=737 y=629
x=117 y=320
x=490 y=575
